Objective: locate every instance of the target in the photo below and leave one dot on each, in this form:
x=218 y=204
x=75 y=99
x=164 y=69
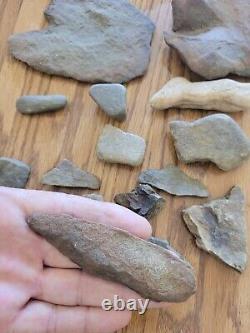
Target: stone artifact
x=94 y=196
x=219 y=228
x=90 y=40
x=221 y=95
x=160 y=242
x=152 y=271
x=68 y=175
x=40 y=103
x=143 y=200
x=212 y=37
x=174 y=181
x=111 y=98
x=13 y=173
x=217 y=138
x=116 y=146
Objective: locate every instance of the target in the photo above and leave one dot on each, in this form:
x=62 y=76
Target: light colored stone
x=212 y=37
x=90 y=40
x=221 y=95
x=13 y=173
x=117 y=146
x=219 y=228
x=174 y=181
x=111 y=98
x=68 y=175
x=216 y=138
x=40 y=103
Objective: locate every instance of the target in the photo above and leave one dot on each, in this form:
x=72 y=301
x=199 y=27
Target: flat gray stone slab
x=40 y=103
x=90 y=40
x=216 y=138
x=153 y=271
x=117 y=146
x=212 y=37
x=94 y=196
x=143 y=200
x=13 y=173
x=174 y=181
x=219 y=228
x=66 y=174
x=111 y=98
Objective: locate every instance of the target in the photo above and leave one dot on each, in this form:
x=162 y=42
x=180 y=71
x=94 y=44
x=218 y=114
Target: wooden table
x=222 y=301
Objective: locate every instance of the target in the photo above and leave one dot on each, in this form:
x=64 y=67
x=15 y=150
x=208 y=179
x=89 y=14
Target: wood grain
x=222 y=302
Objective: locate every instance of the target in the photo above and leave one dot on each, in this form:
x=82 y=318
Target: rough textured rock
x=219 y=228
x=90 y=40
x=217 y=138
x=143 y=200
x=212 y=37
x=221 y=95
x=174 y=181
x=13 y=173
x=68 y=175
x=40 y=103
x=94 y=196
x=152 y=271
x=117 y=146
x=111 y=98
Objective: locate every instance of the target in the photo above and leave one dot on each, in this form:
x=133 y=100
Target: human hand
x=41 y=291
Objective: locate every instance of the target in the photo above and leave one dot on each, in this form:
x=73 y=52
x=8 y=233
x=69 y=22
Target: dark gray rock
x=152 y=271
x=174 y=181
x=40 y=103
x=13 y=173
x=90 y=40
x=216 y=138
x=68 y=175
x=117 y=146
x=143 y=200
x=94 y=196
x=212 y=37
x=219 y=228
x=111 y=98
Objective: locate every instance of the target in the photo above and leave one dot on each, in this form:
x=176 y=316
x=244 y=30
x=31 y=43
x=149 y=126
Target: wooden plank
x=222 y=302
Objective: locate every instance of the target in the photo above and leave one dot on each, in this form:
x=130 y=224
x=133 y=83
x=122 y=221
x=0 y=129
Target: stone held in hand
x=143 y=200
x=174 y=181
x=221 y=95
x=212 y=37
x=154 y=272
x=13 y=173
x=90 y=40
x=216 y=138
x=68 y=175
x=117 y=146
x=40 y=103
x=220 y=229
x=111 y=98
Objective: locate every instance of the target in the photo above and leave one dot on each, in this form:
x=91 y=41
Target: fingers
x=89 y=210
x=73 y=287
x=39 y=317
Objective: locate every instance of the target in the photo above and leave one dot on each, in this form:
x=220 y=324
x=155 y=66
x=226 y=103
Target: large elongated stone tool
x=157 y=273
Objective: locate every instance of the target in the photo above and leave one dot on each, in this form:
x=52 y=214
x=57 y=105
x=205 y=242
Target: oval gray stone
x=40 y=103
x=13 y=173
x=111 y=98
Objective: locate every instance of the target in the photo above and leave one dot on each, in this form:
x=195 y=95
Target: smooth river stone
x=90 y=40
x=117 y=146
x=143 y=200
x=211 y=36
x=113 y=254
x=13 y=173
x=40 y=103
x=111 y=98
x=174 y=181
x=216 y=138
x=68 y=175
x=220 y=229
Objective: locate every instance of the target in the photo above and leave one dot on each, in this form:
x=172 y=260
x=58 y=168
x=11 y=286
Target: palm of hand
x=41 y=291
